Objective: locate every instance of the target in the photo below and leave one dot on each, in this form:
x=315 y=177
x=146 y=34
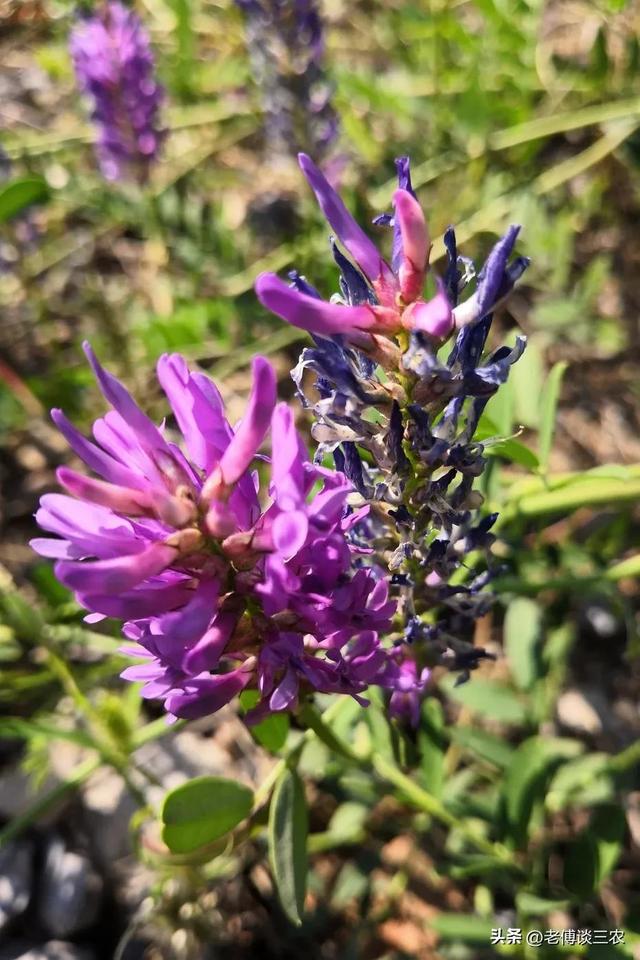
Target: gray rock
x=70 y=891
x=52 y=950
x=18 y=791
x=16 y=874
x=108 y=808
x=583 y=710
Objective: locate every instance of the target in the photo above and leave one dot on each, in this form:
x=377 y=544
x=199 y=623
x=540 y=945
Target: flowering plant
x=114 y=66
x=220 y=590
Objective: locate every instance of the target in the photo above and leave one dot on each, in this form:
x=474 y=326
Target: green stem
x=426 y=802
x=103 y=740
x=627 y=758
x=80 y=773
x=619 y=571
x=415 y=794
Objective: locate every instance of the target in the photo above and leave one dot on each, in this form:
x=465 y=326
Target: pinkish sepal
x=415 y=245
x=433 y=317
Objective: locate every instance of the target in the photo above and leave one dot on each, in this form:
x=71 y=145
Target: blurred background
x=519 y=111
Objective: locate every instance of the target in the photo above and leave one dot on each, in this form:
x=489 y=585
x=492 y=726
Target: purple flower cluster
x=221 y=587
x=114 y=66
x=417 y=420
x=285 y=39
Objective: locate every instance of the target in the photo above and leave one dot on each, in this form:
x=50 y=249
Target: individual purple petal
x=415 y=244
x=185 y=627
x=308 y=313
x=491 y=276
x=94 y=529
x=145 y=601
x=205 y=694
x=118 y=574
x=206 y=653
x=253 y=426
x=122 y=401
x=290 y=532
x=120 y=499
x=198 y=410
x=353 y=238
x=286 y=691
x=55 y=549
x=435 y=317
x=93 y=456
x=287 y=466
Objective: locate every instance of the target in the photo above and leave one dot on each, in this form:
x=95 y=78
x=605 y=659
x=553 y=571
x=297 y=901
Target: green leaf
x=500 y=409
x=550 y=397
x=522 y=628
x=579 y=782
x=608 y=826
x=270 y=733
x=19 y=194
x=463 y=926
x=487 y=697
x=200 y=811
x=351 y=884
x=526 y=378
x=384 y=735
x=432 y=745
x=528 y=773
x=535 y=906
x=288 y=829
x=580 y=873
x=484 y=745
x=514 y=451
x=32 y=728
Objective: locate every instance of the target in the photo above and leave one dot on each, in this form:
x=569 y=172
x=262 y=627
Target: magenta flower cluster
x=114 y=66
x=222 y=586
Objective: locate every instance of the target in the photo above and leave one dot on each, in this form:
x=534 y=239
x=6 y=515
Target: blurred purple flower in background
x=219 y=590
x=114 y=66
x=285 y=39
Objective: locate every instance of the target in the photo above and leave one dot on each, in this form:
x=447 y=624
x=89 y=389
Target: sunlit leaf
x=288 y=829
x=526 y=778
x=550 y=397
x=202 y=810
x=17 y=195
x=522 y=628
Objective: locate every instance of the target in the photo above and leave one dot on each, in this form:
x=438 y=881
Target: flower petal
x=350 y=234
x=435 y=317
x=415 y=244
x=115 y=575
x=254 y=425
x=120 y=499
x=309 y=313
x=206 y=694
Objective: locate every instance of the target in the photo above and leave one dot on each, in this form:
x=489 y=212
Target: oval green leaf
x=19 y=194
x=525 y=783
x=487 y=697
x=522 y=634
x=549 y=406
x=466 y=927
x=288 y=829
x=200 y=811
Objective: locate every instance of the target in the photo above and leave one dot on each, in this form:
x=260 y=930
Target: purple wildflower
x=406 y=439
x=394 y=303
x=408 y=692
x=219 y=590
x=114 y=66
x=285 y=39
